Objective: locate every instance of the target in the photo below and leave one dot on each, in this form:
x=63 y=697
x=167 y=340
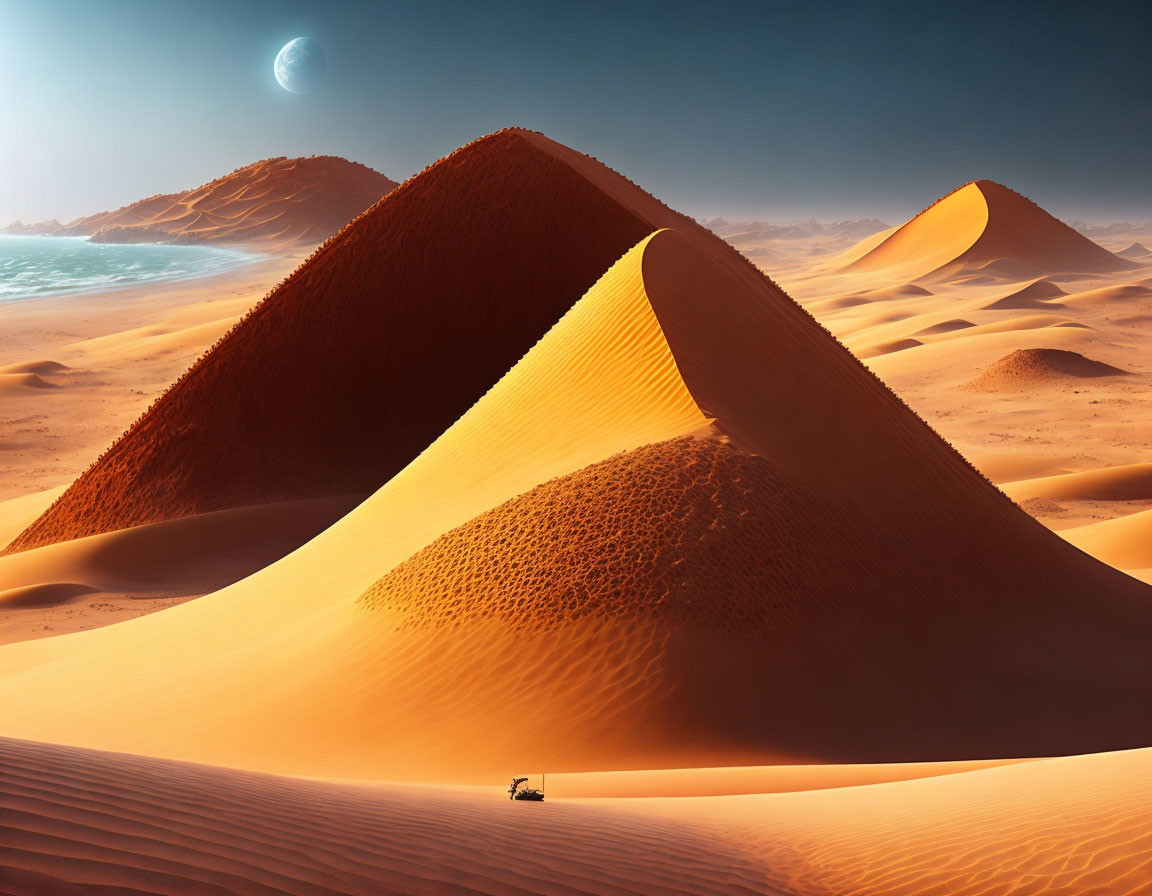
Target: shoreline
x=100 y=312
x=249 y=256
x=77 y=369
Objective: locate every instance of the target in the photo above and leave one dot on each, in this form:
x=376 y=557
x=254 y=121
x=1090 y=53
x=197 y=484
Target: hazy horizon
x=748 y=111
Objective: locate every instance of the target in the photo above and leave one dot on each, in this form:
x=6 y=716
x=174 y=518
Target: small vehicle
x=528 y=793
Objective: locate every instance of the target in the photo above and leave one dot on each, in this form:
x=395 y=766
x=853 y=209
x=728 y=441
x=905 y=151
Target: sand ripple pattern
x=78 y=821
x=691 y=531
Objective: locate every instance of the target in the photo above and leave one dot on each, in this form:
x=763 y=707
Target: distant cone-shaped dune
x=983 y=228
x=786 y=562
x=1037 y=295
x=1137 y=252
x=276 y=201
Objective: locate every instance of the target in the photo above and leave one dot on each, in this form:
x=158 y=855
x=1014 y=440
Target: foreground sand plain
x=80 y=821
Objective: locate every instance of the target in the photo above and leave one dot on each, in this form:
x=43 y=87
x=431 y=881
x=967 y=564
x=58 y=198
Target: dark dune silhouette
x=371 y=349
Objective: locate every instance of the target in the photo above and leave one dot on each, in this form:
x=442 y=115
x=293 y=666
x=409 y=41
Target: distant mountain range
x=1118 y=228
x=798 y=230
x=281 y=201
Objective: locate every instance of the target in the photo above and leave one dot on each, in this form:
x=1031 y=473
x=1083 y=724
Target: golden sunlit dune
x=17 y=513
x=1025 y=356
x=982 y=228
x=1107 y=295
x=887 y=348
x=1124 y=542
x=1129 y=482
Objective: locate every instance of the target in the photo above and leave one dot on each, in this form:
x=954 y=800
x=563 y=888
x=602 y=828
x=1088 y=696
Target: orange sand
x=95 y=581
x=1124 y=483
x=107 y=356
x=77 y=819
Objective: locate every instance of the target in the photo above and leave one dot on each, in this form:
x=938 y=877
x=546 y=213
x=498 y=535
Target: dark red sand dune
x=278 y=201
x=370 y=350
x=378 y=343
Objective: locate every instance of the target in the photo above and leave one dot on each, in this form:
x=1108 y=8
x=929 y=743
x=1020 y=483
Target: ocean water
x=33 y=266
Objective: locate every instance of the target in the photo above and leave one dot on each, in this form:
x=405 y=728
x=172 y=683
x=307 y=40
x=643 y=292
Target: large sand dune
x=78 y=821
x=371 y=350
x=275 y=201
x=892 y=641
x=982 y=229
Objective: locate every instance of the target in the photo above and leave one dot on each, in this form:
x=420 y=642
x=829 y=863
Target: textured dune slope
x=869 y=626
x=78 y=820
x=276 y=201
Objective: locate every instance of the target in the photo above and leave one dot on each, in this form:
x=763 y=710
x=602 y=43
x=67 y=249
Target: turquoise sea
x=33 y=266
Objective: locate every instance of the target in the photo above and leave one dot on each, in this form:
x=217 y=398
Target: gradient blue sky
x=775 y=110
